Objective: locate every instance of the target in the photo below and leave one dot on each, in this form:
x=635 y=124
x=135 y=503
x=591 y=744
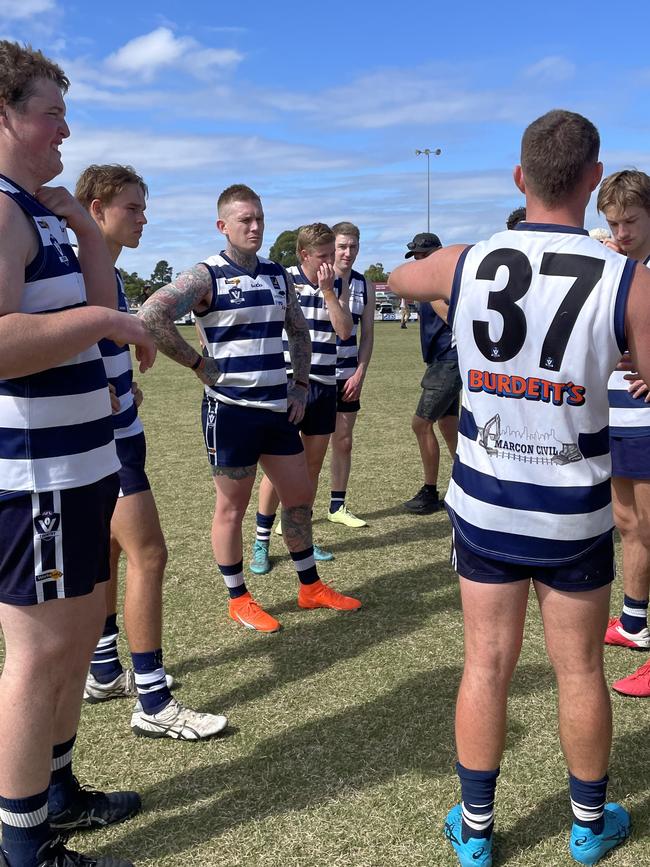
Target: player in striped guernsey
x=624 y=199
x=326 y=310
x=115 y=196
x=540 y=316
x=352 y=362
x=250 y=413
x=58 y=482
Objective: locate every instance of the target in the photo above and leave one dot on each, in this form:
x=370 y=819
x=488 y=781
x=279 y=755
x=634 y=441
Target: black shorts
x=345 y=405
x=441 y=386
x=56 y=544
x=320 y=413
x=593 y=570
x=132 y=453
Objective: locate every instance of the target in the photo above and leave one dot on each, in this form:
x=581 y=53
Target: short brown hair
x=20 y=68
x=313 y=235
x=236 y=193
x=106 y=182
x=555 y=151
x=622 y=189
x=346 y=229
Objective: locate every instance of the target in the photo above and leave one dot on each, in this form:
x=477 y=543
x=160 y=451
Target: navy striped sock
x=305 y=565
x=62 y=781
x=477 y=789
x=264 y=527
x=24 y=828
x=588 y=802
x=634 y=617
x=337 y=499
x=105 y=665
x=150 y=681
x=233 y=577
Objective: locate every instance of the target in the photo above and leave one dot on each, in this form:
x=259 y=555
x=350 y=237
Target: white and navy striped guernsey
x=321 y=330
x=538 y=316
x=56 y=429
x=347 y=350
x=628 y=416
x=242 y=330
x=119 y=370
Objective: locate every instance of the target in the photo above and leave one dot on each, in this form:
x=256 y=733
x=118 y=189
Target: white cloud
x=146 y=55
x=18 y=10
x=551 y=70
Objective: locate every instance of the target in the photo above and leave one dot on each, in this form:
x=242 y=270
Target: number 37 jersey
x=537 y=314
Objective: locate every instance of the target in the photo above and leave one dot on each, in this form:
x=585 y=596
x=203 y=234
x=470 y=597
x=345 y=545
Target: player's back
x=538 y=318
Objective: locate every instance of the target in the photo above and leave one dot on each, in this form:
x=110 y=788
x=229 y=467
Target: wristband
x=197 y=363
x=305 y=385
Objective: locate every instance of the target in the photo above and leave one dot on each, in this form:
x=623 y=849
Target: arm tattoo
x=171 y=302
x=296 y=527
x=235 y=473
x=297 y=334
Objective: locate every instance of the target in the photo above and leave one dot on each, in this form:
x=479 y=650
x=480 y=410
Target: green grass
x=340 y=750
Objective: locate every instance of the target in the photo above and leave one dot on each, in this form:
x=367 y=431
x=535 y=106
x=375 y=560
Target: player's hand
x=611 y=243
x=115 y=401
x=326 y=278
x=637 y=388
x=61 y=202
x=352 y=387
x=138 y=397
x=124 y=328
x=208 y=372
x=296 y=402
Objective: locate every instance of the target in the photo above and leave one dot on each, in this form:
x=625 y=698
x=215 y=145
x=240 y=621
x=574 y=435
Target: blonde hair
x=622 y=189
x=313 y=235
x=106 y=182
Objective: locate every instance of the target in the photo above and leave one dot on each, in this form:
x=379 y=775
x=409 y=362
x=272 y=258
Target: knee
x=493 y=666
x=151 y=558
x=421 y=427
x=343 y=444
x=627 y=523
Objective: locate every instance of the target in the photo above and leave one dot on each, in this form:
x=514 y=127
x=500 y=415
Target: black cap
x=424 y=242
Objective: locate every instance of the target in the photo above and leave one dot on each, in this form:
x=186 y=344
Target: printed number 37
x=586 y=272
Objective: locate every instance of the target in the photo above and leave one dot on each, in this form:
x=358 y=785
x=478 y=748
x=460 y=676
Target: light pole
x=427 y=153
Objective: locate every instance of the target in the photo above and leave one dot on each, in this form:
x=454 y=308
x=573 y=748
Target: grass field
x=340 y=749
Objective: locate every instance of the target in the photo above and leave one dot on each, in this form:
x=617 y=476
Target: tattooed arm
x=300 y=351
x=191 y=290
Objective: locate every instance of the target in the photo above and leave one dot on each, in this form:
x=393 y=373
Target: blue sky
x=321 y=109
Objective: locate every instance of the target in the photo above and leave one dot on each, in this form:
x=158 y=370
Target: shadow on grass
x=294 y=653
x=407 y=730
x=553 y=815
x=410 y=531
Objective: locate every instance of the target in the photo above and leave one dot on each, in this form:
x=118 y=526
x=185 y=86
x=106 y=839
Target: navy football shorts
x=320 y=412
x=56 y=544
x=630 y=457
x=236 y=436
x=132 y=452
x=343 y=405
x=594 y=569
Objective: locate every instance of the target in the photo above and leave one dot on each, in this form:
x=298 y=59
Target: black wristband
x=197 y=362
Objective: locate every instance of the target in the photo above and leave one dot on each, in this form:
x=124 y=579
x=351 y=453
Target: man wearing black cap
x=441 y=384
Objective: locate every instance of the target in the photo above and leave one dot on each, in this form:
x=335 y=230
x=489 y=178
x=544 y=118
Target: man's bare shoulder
x=18 y=246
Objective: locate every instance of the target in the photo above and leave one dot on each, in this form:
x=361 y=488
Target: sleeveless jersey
x=537 y=314
x=435 y=336
x=242 y=330
x=347 y=350
x=628 y=416
x=56 y=429
x=321 y=330
x=119 y=370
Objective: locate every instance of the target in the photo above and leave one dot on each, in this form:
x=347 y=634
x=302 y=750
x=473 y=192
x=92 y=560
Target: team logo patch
x=236 y=295
x=523 y=445
x=50 y=575
x=43 y=224
x=62 y=257
x=47 y=523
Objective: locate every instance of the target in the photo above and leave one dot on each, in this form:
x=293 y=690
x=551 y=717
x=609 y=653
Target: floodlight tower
x=427 y=153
